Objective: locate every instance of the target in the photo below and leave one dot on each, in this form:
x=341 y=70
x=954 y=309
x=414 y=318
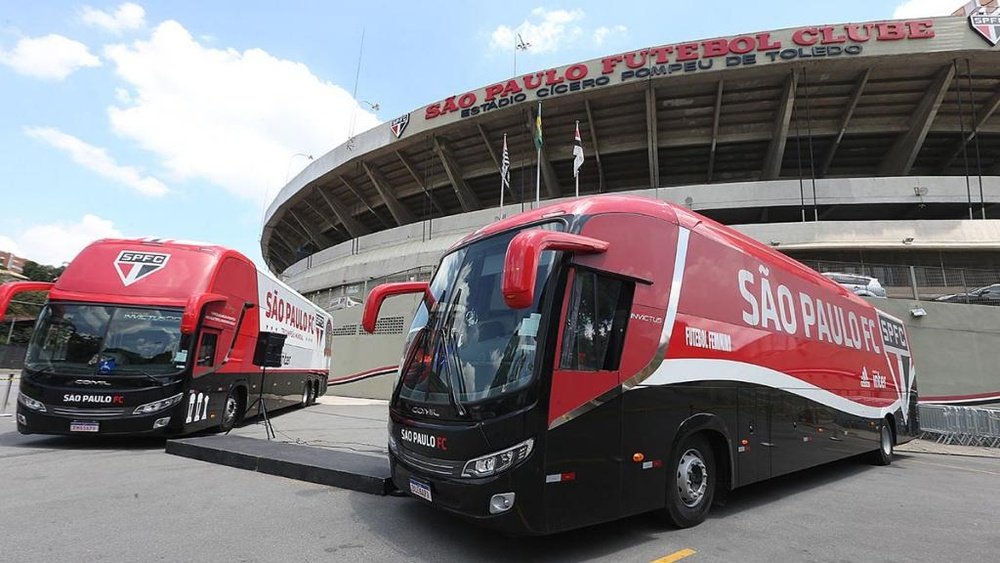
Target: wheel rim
x=692 y=478
x=229 y=415
x=305 y=395
x=886 y=441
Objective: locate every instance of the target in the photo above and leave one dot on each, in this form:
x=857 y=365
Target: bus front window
x=470 y=347
x=107 y=341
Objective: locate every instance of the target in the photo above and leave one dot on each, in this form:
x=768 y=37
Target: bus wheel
x=883 y=455
x=306 y=395
x=231 y=410
x=691 y=484
x=314 y=386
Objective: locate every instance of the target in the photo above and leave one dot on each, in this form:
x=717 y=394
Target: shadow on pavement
x=778 y=488
x=418 y=531
x=409 y=524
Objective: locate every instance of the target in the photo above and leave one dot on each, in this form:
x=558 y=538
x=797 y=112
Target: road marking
x=953 y=467
x=675 y=556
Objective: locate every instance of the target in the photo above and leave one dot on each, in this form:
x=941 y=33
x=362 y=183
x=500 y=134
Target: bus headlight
x=496 y=462
x=30 y=403
x=157 y=406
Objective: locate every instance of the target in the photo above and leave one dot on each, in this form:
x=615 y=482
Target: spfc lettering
x=133 y=266
x=399 y=124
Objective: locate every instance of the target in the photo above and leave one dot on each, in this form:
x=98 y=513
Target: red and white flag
x=577 y=152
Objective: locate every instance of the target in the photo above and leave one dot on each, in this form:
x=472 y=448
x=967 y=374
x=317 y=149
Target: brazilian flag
x=538 y=128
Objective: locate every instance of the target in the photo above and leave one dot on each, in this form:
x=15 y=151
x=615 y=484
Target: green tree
x=40 y=272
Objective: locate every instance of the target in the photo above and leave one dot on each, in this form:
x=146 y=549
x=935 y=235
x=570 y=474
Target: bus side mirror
x=520 y=265
x=379 y=294
x=10 y=289
x=192 y=311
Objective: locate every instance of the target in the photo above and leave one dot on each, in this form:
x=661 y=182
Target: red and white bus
x=615 y=355
x=149 y=336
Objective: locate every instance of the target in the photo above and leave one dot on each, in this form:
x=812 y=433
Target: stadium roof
x=914 y=97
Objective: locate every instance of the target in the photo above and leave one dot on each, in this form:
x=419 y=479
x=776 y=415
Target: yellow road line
x=953 y=467
x=675 y=556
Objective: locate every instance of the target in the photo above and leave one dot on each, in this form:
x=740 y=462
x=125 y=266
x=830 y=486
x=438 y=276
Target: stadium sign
x=829 y=41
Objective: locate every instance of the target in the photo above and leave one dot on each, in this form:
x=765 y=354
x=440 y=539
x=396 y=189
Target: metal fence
x=966 y=426
x=926 y=283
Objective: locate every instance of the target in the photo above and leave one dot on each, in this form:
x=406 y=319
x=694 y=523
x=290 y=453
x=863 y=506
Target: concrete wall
x=363 y=352
x=956 y=347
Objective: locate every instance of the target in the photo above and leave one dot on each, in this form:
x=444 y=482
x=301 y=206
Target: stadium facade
x=869 y=147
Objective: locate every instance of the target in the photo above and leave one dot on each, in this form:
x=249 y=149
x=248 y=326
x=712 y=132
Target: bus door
x=600 y=348
x=753 y=440
x=206 y=359
x=583 y=459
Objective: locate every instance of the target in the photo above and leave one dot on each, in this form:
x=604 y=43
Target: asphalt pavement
x=118 y=500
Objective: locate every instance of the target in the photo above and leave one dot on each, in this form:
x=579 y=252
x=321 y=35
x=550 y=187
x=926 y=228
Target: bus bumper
x=471 y=499
x=32 y=422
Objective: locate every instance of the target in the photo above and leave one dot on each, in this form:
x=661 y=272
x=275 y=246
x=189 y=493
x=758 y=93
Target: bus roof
x=155 y=272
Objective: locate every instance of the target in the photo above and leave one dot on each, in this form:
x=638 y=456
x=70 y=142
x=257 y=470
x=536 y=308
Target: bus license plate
x=84 y=427
x=422 y=490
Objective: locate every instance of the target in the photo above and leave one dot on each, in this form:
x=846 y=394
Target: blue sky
x=182 y=119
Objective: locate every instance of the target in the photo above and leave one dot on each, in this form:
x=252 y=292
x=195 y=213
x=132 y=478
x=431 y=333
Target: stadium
x=866 y=148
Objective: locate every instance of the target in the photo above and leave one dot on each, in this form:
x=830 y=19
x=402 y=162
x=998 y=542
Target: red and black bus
x=615 y=355
x=148 y=336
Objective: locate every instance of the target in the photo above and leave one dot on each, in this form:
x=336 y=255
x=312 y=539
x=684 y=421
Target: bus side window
x=595 y=322
x=206 y=350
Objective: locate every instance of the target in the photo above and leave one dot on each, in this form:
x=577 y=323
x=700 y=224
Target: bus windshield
x=470 y=347
x=107 y=341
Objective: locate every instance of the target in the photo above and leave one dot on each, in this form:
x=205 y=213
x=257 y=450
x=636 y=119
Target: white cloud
x=97 y=160
x=604 y=32
x=233 y=118
x=127 y=16
x=925 y=8
x=7 y=244
x=55 y=243
x=545 y=30
x=52 y=57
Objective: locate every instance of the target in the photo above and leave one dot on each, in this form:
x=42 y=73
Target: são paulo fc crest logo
x=987 y=25
x=133 y=265
x=399 y=124
x=897 y=353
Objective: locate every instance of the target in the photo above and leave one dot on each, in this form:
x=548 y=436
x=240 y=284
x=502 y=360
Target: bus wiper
x=447 y=335
x=146 y=375
x=452 y=381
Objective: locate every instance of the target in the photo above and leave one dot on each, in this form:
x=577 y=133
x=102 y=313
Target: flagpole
x=538 y=160
x=538 y=177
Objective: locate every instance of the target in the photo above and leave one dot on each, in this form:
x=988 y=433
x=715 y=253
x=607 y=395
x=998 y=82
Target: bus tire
x=886 y=443
x=315 y=392
x=691 y=480
x=232 y=410
x=304 y=401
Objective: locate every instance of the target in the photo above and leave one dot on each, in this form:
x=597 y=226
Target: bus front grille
x=451 y=468
x=89 y=413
